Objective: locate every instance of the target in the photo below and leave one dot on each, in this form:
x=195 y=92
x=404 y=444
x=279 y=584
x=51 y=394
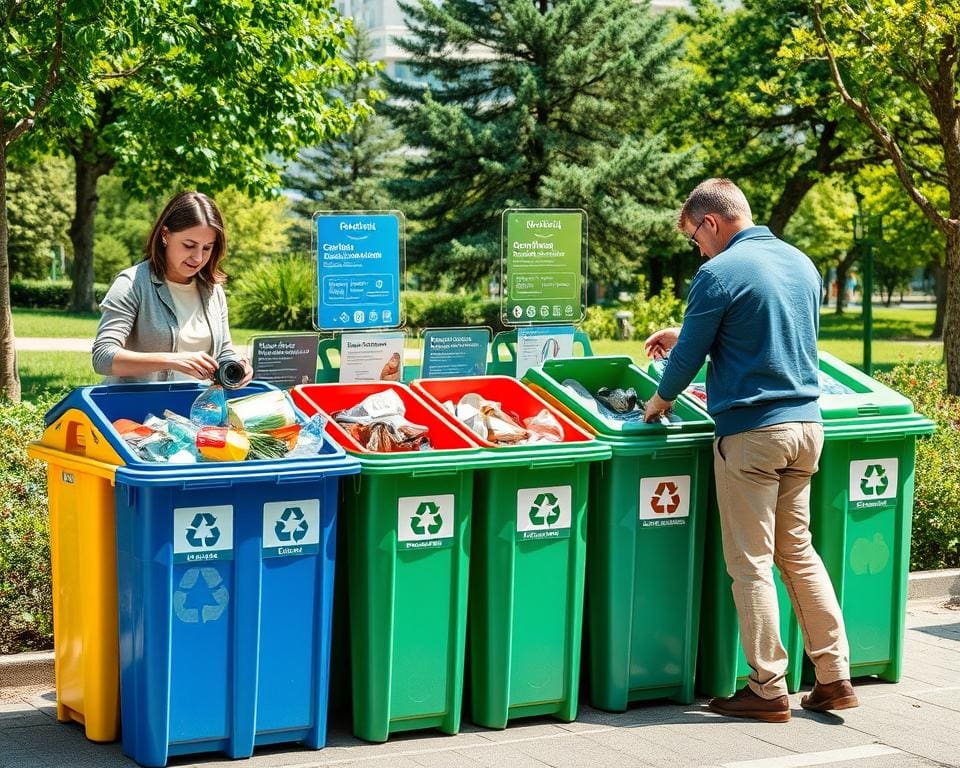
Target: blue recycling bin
x=225 y=578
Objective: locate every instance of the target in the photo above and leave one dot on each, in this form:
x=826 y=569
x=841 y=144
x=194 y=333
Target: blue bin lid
x=105 y=403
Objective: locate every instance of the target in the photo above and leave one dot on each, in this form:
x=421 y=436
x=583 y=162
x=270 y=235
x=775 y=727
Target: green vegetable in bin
x=263 y=446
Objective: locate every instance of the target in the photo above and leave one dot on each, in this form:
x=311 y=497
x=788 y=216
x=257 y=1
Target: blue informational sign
x=455 y=352
x=358 y=271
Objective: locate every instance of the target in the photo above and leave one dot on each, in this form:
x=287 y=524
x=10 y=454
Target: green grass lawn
x=899 y=335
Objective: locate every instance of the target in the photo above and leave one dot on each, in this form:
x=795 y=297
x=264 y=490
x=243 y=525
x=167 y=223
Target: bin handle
x=433 y=472
x=190 y=485
x=76 y=439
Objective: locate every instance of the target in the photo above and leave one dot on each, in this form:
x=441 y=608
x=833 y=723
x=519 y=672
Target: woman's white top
x=194 y=334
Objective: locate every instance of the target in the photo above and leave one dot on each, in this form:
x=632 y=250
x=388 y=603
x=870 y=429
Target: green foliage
x=651 y=313
x=256 y=230
x=555 y=112
x=26 y=615
x=39 y=207
x=438 y=309
x=936 y=506
x=123 y=218
x=600 y=323
x=773 y=130
x=275 y=294
x=349 y=172
x=47 y=294
x=110 y=257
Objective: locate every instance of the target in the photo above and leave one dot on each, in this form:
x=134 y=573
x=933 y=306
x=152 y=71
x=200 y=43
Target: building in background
x=384 y=20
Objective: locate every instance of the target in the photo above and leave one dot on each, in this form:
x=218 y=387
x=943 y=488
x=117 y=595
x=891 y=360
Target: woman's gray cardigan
x=138 y=314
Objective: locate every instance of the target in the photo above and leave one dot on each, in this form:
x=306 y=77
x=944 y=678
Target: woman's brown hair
x=186 y=210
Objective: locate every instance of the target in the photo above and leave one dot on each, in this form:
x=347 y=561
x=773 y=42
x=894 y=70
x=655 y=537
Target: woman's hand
x=249 y=371
x=200 y=365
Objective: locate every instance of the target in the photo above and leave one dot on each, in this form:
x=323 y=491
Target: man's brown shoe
x=827 y=696
x=745 y=703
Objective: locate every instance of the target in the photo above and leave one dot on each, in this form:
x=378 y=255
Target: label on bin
x=664 y=501
x=543 y=513
x=425 y=522
x=202 y=533
x=873 y=483
x=291 y=528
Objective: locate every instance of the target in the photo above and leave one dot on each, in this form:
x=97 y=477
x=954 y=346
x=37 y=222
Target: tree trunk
x=940 y=291
x=656 y=276
x=89 y=168
x=951 y=326
x=9 y=376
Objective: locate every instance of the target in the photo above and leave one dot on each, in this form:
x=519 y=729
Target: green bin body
x=408 y=519
x=527 y=569
x=722 y=668
x=861 y=507
x=645 y=537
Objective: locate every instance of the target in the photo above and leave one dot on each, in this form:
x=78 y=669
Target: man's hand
x=656 y=407
x=660 y=343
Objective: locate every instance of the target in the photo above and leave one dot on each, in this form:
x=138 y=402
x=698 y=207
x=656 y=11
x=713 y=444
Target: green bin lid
x=867 y=396
x=617 y=371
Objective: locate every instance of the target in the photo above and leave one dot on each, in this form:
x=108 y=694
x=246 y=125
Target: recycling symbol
x=427 y=519
x=874 y=480
x=291 y=525
x=545 y=509
x=203 y=531
x=199 y=599
x=665 y=499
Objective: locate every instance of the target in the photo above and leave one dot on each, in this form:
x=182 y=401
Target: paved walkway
x=913 y=724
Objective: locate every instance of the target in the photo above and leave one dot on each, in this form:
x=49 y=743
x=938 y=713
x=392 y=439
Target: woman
x=165 y=319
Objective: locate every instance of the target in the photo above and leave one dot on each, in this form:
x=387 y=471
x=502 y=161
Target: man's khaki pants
x=763 y=490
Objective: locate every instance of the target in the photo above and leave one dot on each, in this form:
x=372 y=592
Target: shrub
x=437 y=309
x=600 y=323
x=275 y=294
x=47 y=294
x=651 y=314
x=936 y=507
x=26 y=602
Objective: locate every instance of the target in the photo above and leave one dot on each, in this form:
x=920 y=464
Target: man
x=754 y=308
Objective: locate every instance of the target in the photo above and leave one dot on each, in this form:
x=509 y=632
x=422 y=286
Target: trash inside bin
x=528 y=554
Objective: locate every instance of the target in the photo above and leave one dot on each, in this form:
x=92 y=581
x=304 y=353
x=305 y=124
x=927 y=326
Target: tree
x=349 y=172
x=822 y=229
x=46 y=55
x=894 y=66
x=536 y=104
x=255 y=229
x=205 y=95
x=39 y=207
x=775 y=133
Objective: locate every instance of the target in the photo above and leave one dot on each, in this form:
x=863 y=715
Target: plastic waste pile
x=378 y=423
x=616 y=404
x=490 y=422
x=260 y=426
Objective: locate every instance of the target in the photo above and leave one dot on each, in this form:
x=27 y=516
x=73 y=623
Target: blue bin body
x=224 y=616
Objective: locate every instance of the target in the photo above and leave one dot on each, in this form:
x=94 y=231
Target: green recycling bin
x=722 y=668
x=527 y=564
x=408 y=518
x=645 y=536
x=861 y=507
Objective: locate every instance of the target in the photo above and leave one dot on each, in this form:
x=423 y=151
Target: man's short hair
x=717 y=196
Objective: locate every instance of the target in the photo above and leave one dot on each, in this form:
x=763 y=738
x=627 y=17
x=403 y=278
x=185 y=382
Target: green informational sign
x=543 y=264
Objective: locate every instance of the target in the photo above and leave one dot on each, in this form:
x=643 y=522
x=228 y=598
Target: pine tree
x=350 y=171
x=535 y=104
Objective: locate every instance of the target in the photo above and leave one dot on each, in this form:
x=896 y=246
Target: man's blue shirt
x=755 y=309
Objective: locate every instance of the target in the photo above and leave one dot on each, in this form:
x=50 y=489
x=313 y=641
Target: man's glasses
x=692 y=239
